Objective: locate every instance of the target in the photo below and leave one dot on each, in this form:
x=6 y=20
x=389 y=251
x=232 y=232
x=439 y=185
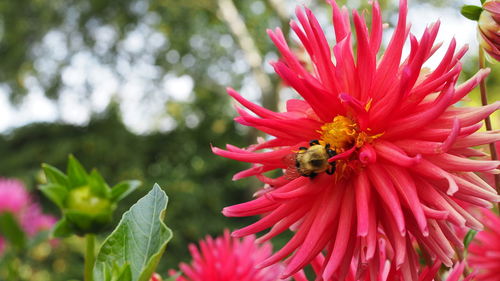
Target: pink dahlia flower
x=377 y=149
x=228 y=259
x=484 y=250
x=13 y=196
x=15 y=199
x=34 y=221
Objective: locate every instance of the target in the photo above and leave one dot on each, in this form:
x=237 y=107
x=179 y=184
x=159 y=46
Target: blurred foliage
x=40 y=39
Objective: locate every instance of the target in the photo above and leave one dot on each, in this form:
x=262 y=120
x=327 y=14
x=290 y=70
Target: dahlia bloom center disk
x=344 y=137
x=343 y=134
x=339 y=134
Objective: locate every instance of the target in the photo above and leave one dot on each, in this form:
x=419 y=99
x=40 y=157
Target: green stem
x=487 y=121
x=89 y=257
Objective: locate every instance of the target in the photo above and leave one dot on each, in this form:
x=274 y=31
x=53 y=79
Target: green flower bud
x=87 y=212
x=81 y=199
x=86 y=200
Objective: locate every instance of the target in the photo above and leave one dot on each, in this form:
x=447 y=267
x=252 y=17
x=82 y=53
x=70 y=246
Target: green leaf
x=54 y=175
x=471 y=12
x=62 y=229
x=469 y=237
x=482 y=1
x=124 y=188
x=139 y=240
x=55 y=192
x=117 y=273
x=12 y=231
x=97 y=184
x=76 y=173
x=123 y=273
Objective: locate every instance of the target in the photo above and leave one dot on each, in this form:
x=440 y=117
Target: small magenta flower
x=13 y=196
x=489 y=28
x=376 y=148
x=484 y=250
x=34 y=221
x=156 y=277
x=228 y=259
x=16 y=200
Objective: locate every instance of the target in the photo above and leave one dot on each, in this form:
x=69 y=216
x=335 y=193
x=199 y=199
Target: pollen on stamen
x=341 y=133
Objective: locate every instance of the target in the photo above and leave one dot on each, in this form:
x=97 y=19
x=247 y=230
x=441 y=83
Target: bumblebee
x=314 y=160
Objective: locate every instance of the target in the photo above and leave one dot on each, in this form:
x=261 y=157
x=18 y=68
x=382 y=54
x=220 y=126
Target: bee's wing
x=291 y=171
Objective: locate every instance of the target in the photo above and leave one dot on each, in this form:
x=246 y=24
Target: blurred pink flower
x=489 y=28
x=13 y=196
x=228 y=259
x=15 y=199
x=399 y=151
x=484 y=250
x=34 y=221
x=155 y=277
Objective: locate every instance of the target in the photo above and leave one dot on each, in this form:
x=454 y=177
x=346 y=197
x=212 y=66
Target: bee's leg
x=327 y=147
x=331 y=170
x=312 y=175
x=313 y=142
x=331 y=152
x=302 y=148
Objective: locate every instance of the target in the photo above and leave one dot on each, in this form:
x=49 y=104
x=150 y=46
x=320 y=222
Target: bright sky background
x=142 y=107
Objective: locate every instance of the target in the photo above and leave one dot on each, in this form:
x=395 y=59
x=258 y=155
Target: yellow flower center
x=343 y=133
x=340 y=134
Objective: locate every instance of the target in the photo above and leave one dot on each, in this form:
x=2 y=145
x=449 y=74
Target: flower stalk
x=487 y=120
x=89 y=257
